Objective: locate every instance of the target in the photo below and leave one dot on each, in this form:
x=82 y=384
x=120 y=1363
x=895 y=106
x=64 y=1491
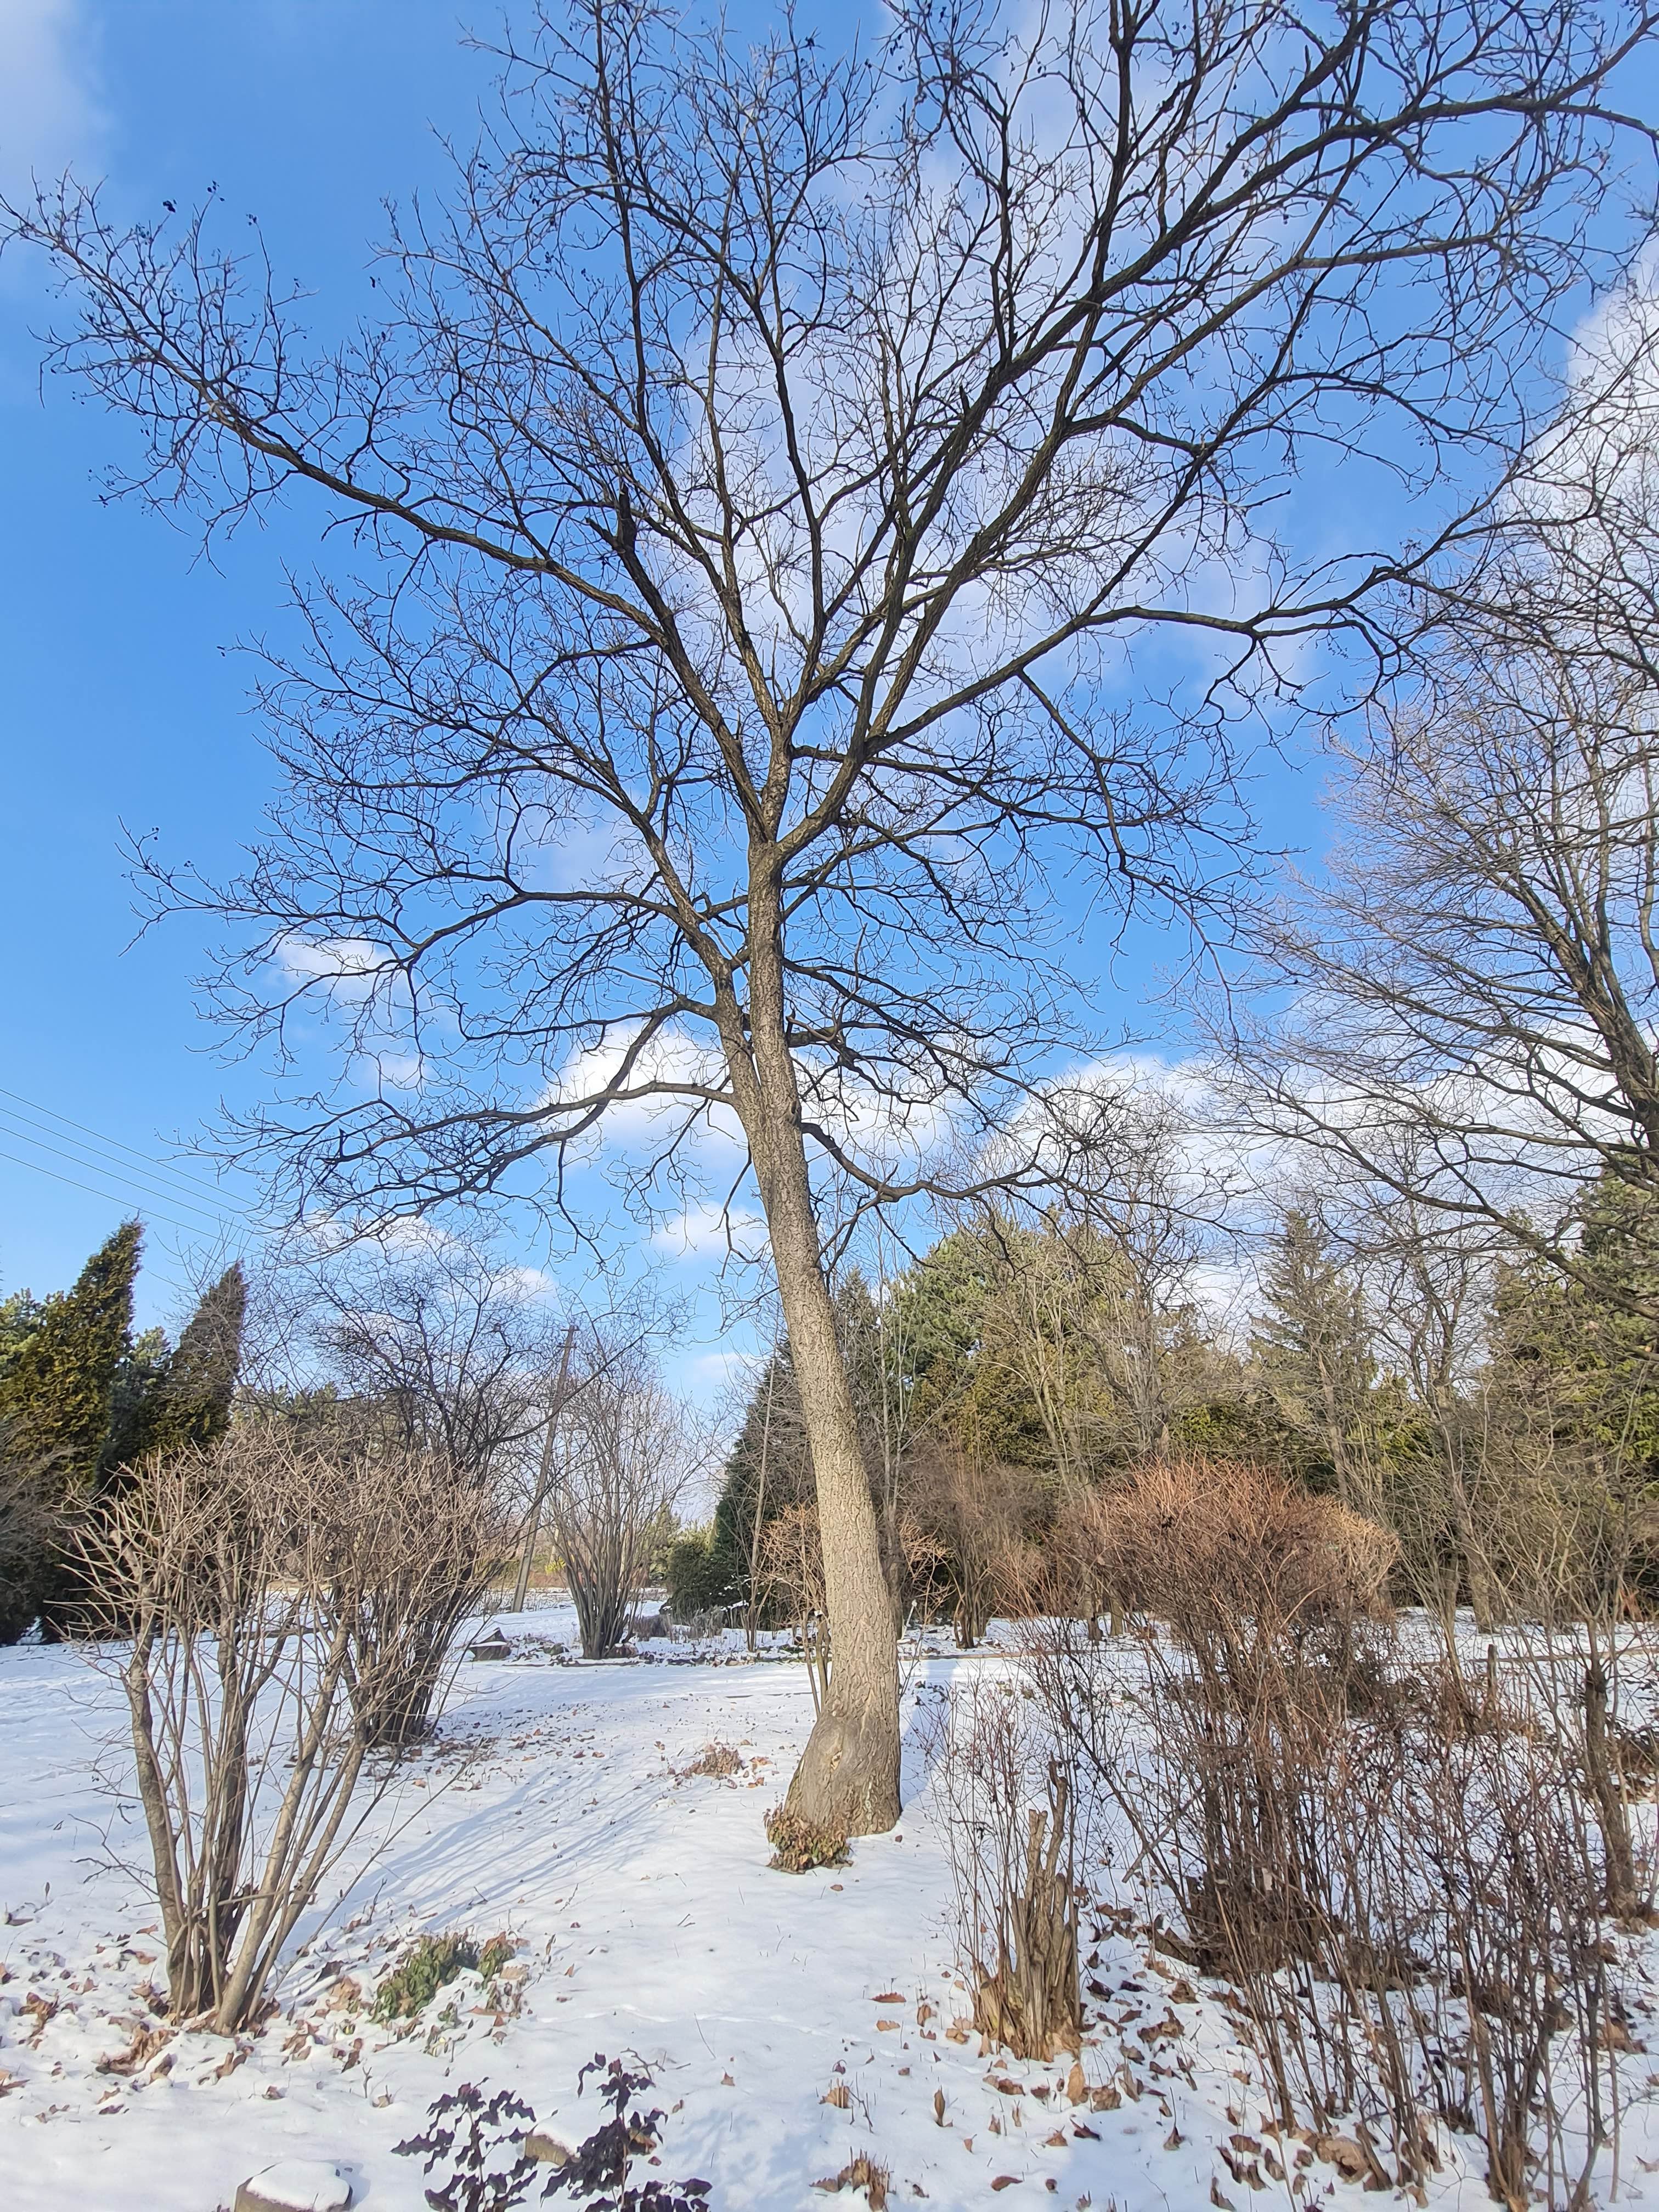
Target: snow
x=647 y=1922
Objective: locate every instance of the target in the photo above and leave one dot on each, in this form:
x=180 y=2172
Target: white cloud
x=394 y=1067
x=351 y=966
x=49 y=112
x=704 y=1228
x=668 y=1069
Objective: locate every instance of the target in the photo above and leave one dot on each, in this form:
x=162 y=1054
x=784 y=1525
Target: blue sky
x=126 y=700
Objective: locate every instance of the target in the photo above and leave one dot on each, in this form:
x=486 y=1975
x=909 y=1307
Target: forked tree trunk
x=849 y=1774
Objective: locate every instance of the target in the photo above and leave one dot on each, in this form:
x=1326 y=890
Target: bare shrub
x=246 y=1577
x=1404 y=1891
x=973 y=1516
x=1239 y=1560
x=623 y=1453
x=1006 y=1807
x=417 y=1542
x=1272 y=1596
x=1508 y=1866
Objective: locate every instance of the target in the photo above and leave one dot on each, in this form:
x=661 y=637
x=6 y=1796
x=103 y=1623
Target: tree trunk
x=1623 y=1896
x=850 y=1772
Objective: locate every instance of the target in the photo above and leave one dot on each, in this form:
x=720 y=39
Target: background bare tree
x=449 y=1345
x=761 y=467
x=418 y=1343
x=1477 y=978
x=624 y=1451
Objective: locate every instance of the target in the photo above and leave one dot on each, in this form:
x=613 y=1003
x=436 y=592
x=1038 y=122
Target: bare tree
x=790 y=1567
x=624 y=1451
x=1478 y=980
x=446 y=1538
x=432 y=1348
x=976 y=1519
x=757 y=478
x=1431 y=1285
x=452 y=1347
x=1094 y=1311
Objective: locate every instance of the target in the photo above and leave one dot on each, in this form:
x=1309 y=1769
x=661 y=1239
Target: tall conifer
x=56 y=1396
x=1313 y=1346
x=56 y=1391
x=188 y=1406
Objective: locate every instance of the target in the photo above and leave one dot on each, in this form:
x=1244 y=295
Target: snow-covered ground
x=647 y=1922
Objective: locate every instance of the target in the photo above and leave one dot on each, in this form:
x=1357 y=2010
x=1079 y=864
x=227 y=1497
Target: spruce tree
x=187 y=1405
x=1312 y=1348
x=1585 y=1343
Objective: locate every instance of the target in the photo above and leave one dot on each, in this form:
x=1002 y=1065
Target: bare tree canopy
x=755 y=479
x=449 y=1344
x=1476 y=984
x=623 y=1453
x=1478 y=980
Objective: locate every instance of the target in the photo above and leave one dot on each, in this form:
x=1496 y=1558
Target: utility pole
x=544 y=1477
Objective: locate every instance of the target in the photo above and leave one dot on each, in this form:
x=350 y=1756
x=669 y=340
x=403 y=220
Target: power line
x=118 y=1174
x=190 y=1228
x=188 y=1183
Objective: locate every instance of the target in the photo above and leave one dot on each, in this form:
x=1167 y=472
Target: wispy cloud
x=704 y=1228
x=51 y=114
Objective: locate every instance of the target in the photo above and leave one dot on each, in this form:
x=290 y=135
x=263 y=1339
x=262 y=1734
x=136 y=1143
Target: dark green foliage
x=700 y=1579
x=959 y=1379
x=1585 y=1342
x=942 y=1302
x=186 y=1405
x=57 y=1396
x=27 y=1525
x=768 y=1466
x=429 y=1964
x=57 y=1387
x=1251 y=1427
x=143 y=1369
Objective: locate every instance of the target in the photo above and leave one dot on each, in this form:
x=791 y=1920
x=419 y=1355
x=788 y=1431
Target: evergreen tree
x=56 y=1390
x=56 y=1398
x=143 y=1368
x=20 y=1316
x=1312 y=1348
x=766 y=1472
x=187 y=1403
x=1586 y=1342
